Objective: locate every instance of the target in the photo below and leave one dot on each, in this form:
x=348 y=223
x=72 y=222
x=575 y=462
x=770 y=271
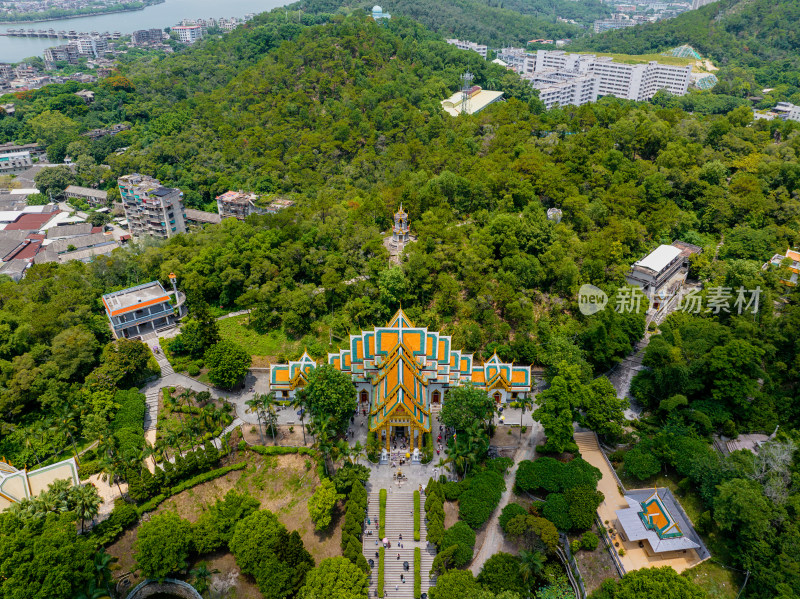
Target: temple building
x=655 y=519
x=16 y=485
x=400 y=371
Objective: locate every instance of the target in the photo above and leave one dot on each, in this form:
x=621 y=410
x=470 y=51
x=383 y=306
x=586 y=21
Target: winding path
x=493 y=540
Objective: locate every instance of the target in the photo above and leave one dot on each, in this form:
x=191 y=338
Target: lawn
x=718 y=582
x=282 y=484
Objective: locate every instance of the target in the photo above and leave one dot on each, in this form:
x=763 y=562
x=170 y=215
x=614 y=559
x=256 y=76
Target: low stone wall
x=176 y=588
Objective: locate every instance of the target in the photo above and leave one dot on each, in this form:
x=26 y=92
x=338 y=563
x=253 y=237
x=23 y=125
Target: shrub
x=381 y=555
x=122 y=516
x=416 y=515
x=88 y=468
x=162 y=545
x=641 y=464
x=511 y=510
x=501 y=572
x=589 y=541
x=583 y=503
x=427 y=448
x=575 y=545
x=500 y=465
x=556 y=509
x=452 y=490
x=417 y=573
x=321 y=504
x=373 y=447
x=461 y=535
x=476 y=504
x=382 y=513
x=544 y=473
x=214 y=528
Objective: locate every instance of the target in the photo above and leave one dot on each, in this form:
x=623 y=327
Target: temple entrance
x=498 y=397
x=436 y=397
x=364 y=396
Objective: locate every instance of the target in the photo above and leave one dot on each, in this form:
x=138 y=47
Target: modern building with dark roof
x=150 y=208
x=200 y=217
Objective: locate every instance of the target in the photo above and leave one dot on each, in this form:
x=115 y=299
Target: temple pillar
x=388 y=430
x=411 y=432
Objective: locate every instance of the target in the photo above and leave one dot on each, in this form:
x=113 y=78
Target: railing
x=610 y=546
x=145 y=318
x=573 y=572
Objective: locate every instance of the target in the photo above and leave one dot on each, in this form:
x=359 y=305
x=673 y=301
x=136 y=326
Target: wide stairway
x=587 y=442
x=399 y=521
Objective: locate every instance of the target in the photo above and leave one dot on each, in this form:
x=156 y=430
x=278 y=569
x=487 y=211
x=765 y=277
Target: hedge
x=122 y=516
x=382 y=513
x=278 y=450
x=88 y=468
x=416 y=515
x=417 y=575
x=381 y=554
x=192 y=482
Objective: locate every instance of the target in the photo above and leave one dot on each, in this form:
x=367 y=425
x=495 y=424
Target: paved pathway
x=493 y=540
x=399 y=521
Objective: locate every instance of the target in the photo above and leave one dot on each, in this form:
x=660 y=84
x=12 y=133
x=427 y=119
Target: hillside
x=731 y=32
x=488 y=22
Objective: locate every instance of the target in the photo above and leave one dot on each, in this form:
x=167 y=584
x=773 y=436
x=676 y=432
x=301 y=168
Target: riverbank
x=86 y=14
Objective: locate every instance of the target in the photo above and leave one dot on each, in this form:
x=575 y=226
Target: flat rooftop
x=476 y=103
x=659 y=258
x=141 y=296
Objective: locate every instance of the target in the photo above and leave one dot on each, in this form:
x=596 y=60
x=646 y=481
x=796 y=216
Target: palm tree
x=299 y=402
x=161 y=445
x=201 y=575
x=102 y=568
x=531 y=564
x=87 y=502
x=525 y=402
x=269 y=404
x=173 y=439
x=325 y=444
x=254 y=406
x=357 y=452
x=92 y=591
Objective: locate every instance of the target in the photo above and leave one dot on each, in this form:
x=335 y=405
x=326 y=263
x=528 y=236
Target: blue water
x=171 y=12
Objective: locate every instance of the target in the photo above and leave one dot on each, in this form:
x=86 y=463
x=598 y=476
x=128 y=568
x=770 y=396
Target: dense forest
x=488 y=22
x=343 y=115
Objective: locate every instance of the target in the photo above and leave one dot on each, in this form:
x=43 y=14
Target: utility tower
x=466 y=85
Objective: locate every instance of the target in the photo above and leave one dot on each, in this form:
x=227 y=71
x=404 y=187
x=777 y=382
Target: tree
x=641 y=463
x=74 y=351
x=335 y=577
x=321 y=504
x=162 y=545
x=741 y=505
x=531 y=565
x=228 y=364
x=651 y=583
x=330 y=396
x=510 y=511
x=43 y=558
x=583 y=504
x=200 y=332
x=603 y=410
x=465 y=405
x=502 y=572
x=54 y=180
x=456 y=584
x=556 y=404
x=86 y=502
x=51 y=126
x=265 y=550
x=461 y=535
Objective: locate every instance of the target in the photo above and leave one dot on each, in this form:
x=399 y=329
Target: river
x=171 y=12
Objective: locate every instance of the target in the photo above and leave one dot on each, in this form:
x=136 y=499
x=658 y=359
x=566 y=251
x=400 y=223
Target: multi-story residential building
x=142 y=37
x=140 y=310
x=563 y=92
x=66 y=53
x=15 y=162
x=237 y=204
x=188 y=34
x=6 y=71
x=518 y=60
x=631 y=81
x=465 y=45
x=150 y=208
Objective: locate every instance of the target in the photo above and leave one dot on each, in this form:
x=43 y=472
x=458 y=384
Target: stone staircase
x=151 y=409
x=587 y=442
x=399 y=521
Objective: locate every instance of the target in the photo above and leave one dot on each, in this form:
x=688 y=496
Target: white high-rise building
x=630 y=81
x=188 y=34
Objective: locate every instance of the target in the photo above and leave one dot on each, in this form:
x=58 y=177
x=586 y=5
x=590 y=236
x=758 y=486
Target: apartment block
x=15 y=162
x=564 y=92
x=188 y=34
x=617 y=21
x=466 y=45
x=150 y=208
x=142 y=37
x=518 y=60
x=237 y=204
x=788 y=111
x=630 y=81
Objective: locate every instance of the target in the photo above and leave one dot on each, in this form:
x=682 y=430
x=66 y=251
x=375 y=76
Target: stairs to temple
x=399 y=521
x=587 y=441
